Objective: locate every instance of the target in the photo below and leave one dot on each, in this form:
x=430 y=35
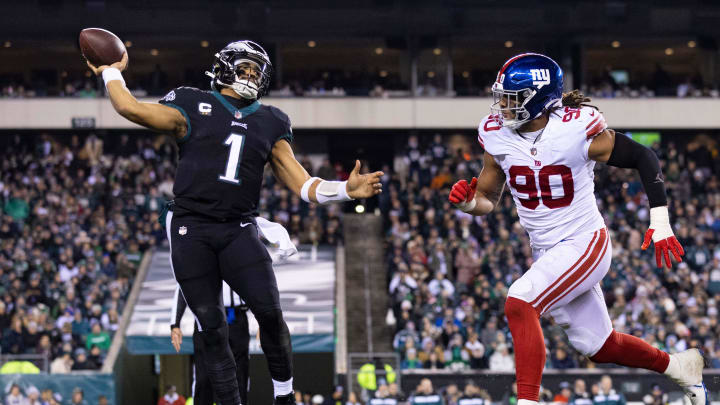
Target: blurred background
x=391 y=300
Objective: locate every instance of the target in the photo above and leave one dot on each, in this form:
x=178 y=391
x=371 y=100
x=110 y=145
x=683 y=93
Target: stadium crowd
x=448 y=273
x=75 y=223
x=372 y=83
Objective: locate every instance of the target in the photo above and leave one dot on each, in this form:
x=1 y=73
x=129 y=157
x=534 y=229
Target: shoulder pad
x=181 y=92
x=279 y=114
x=488 y=125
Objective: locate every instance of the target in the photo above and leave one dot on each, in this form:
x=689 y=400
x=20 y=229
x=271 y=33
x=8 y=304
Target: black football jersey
x=222 y=156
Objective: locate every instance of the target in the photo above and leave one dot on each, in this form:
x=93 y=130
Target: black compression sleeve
x=179 y=310
x=629 y=154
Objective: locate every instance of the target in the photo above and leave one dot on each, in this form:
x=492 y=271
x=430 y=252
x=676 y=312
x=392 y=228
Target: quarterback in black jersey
x=225 y=138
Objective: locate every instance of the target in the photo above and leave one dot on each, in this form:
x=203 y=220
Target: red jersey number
x=545 y=193
x=571 y=113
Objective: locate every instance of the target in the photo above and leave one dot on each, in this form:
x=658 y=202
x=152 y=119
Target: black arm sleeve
x=629 y=154
x=180 y=306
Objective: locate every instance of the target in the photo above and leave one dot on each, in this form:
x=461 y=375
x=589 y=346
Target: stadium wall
x=370 y=113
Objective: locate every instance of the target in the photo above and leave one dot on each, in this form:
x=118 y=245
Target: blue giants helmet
x=526 y=86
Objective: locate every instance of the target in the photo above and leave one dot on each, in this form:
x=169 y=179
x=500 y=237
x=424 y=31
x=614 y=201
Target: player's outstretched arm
x=313 y=189
x=481 y=195
x=157 y=117
x=621 y=151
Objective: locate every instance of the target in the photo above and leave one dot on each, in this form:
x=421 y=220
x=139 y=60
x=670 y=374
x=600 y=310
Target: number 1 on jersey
x=236 y=143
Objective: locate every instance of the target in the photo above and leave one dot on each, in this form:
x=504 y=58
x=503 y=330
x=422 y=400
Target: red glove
x=661 y=233
x=462 y=195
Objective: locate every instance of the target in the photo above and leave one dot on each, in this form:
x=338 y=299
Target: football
x=100 y=47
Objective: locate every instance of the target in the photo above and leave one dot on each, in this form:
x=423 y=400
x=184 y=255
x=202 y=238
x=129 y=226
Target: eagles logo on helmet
x=225 y=70
x=526 y=86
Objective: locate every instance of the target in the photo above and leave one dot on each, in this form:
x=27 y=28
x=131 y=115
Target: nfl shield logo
x=238 y=114
x=182 y=230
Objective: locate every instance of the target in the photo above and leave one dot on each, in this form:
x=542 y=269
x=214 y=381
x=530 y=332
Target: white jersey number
x=236 y=142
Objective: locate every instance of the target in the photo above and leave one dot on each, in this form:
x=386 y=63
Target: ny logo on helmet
x=541 y=77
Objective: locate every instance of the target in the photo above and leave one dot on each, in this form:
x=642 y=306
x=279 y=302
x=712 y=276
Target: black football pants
x=203 y=253
x=239 y=339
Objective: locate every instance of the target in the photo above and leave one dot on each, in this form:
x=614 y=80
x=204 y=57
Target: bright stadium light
x=378 y=51
x=7 y=44
x=311 y=44
x=359 y=208
x=128 y=44
x=615 y=44
x=669 y=51
x=383 y=73
x=509 y=44
x=692 y=44
x=466 y=74
x=437 y=51
x=154 y=52
x=204 y=44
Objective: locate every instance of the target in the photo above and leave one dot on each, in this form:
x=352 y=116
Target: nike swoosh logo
x=245 y=224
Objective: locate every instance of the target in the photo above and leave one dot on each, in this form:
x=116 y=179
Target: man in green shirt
x=98 y=337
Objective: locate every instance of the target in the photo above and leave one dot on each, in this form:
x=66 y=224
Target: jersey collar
x=238 y=113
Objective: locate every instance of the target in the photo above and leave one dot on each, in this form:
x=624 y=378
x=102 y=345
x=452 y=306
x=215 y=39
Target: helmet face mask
x=509 y=106
x=244 y=67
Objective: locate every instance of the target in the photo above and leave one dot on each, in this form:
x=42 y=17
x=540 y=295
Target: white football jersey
x=551 y=179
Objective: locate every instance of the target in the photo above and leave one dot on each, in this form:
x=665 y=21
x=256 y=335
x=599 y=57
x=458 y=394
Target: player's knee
x=586 y=341
x=269 y=317
x=521 y=289
x=210 y=316
x=516 y=308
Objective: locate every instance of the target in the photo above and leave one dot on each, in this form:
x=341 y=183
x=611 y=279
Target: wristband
x=111 y=74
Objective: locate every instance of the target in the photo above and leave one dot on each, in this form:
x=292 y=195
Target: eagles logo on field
x=170 y=96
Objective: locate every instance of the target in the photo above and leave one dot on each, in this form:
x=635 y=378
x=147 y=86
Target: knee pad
x=210 y=316
x=586 y=340
x=521 y=289
x=516 y=308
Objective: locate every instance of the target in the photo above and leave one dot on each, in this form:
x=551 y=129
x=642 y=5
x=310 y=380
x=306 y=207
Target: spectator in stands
x=580 y=395
x=78 y=397
x=561 y=360
x=171 y=397
x=352 y=399
x=510 y=398
x=15 y=397
x=501 y=360
x=425 y=394
x=563 y=397
x=98 y=337
x=33 y=396
x=102 y=400
x=606 y=394
x=476 y=352
x=62 y=364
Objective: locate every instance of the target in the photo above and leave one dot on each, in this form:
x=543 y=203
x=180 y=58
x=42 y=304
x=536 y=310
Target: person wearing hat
x=564 y=395
x=33 y=396
x=82 y=362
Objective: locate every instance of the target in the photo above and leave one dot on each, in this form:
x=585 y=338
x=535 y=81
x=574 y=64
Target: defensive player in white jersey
x=544 y=145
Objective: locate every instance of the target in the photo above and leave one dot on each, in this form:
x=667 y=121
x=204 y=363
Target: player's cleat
x=685 y=369
x=288 y=399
